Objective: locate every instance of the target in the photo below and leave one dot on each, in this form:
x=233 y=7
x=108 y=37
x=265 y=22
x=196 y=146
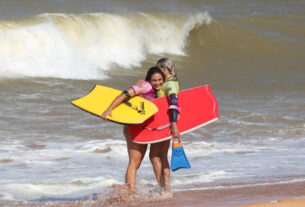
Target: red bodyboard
x=198 y=108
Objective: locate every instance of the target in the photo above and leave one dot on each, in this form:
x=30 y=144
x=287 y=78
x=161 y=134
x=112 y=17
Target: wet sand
x=239 y=196
x=297 y=202
x=274 y=195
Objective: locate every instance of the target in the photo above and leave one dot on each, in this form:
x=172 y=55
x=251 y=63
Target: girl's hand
x=174 y=130
x=140 y=83
x=105 y=114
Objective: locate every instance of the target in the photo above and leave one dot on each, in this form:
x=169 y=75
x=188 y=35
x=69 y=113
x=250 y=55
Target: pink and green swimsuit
x=146 y=91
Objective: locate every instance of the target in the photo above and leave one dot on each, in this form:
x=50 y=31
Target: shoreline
x=273 y=195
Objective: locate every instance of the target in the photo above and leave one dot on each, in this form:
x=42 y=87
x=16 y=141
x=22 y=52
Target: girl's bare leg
x=158 y=158
x=136 y=154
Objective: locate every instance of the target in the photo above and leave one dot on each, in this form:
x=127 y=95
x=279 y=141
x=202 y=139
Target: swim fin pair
x=179 y=159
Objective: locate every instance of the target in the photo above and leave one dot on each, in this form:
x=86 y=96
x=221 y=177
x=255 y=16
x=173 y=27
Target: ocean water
x=51 y=52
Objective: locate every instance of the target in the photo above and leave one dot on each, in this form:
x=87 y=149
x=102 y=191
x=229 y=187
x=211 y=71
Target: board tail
x=179 y=159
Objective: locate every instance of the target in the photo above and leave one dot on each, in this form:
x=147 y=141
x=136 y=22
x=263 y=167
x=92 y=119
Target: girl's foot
x=166 y=195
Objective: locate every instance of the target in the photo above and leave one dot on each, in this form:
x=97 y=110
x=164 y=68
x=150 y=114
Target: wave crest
x=83 y=46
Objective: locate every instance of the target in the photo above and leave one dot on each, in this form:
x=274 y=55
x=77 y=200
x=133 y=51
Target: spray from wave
x=83 y=46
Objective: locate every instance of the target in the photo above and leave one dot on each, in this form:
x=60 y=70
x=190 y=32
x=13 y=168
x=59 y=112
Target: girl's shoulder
x=142 y=90
x=170 y=87
x=171 y=84
x=147 y=86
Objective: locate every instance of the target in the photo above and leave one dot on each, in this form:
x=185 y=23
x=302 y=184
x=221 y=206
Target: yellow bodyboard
x=98 y=100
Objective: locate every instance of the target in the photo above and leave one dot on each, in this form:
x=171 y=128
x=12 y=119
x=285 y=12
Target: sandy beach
x=297 y=202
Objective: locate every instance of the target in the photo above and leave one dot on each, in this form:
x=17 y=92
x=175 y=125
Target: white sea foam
x=202 y=148
x=77 y=168
x=84 y=46
x=187 y=178
x=245 y=185
x=199 y=178
x=6 y=197
x=116 y=147
x=41 y=50
x=69 y=189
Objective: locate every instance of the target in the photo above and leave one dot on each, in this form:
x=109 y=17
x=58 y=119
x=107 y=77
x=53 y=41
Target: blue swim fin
x=179 y=159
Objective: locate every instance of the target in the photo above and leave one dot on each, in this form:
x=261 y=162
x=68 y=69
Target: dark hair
x=152 y=71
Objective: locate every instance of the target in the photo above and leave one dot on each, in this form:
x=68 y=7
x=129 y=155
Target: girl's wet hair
x=152 y=71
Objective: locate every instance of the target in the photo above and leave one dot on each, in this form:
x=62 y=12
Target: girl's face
x=156 y=81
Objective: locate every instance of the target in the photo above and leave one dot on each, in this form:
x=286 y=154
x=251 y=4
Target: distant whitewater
x=83 y=46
